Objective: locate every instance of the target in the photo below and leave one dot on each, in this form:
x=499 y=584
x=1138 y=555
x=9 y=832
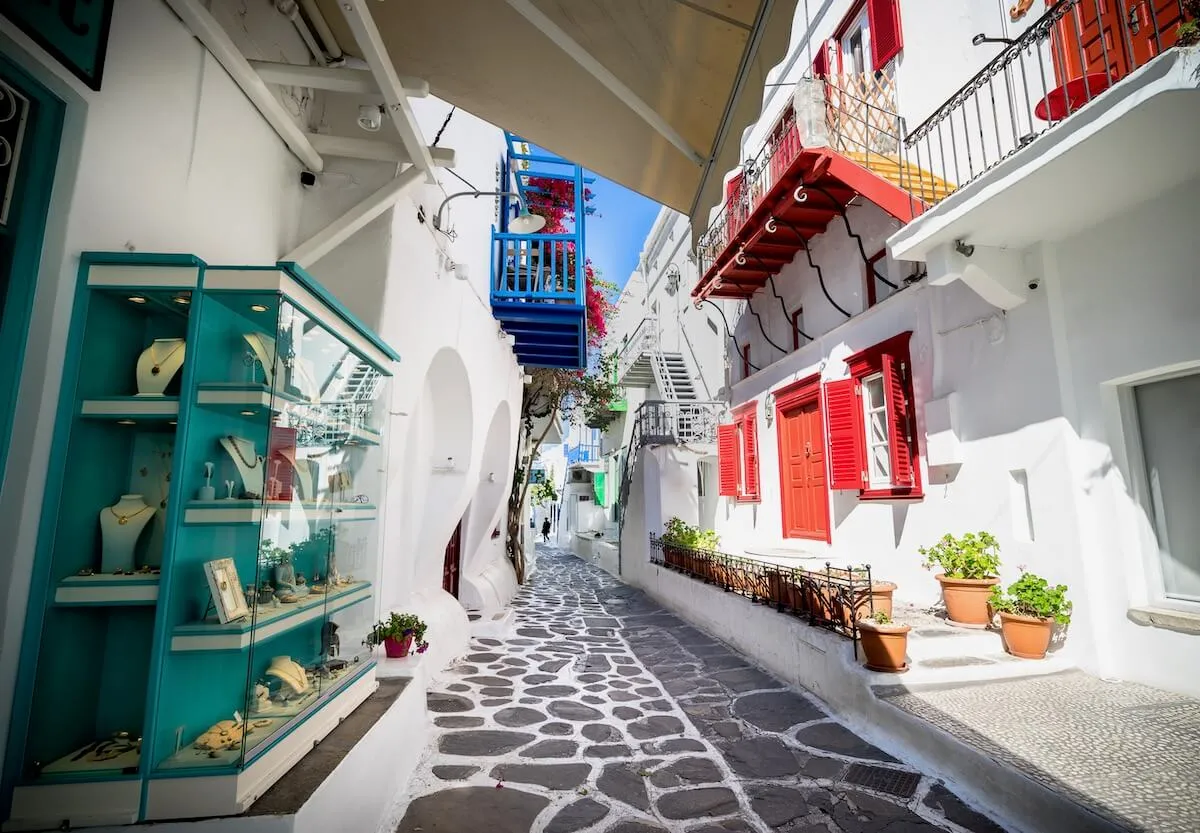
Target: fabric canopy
x=617 y=86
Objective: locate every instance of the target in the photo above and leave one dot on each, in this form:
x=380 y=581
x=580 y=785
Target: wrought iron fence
x=1016 y=97
x=683 y=423
x=834 y=598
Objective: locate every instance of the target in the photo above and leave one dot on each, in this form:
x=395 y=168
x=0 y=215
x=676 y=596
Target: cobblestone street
x=603 y=712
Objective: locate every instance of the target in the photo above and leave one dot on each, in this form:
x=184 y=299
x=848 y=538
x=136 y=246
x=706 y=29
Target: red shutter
x=883 y=16
x=898 y=422
x=750 y=435
x=727 y=463
x=821 y=62
x=843 y=416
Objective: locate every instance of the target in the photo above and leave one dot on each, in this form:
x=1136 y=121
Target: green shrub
x=679 y=533
x=971 y=556
x=1032 y=595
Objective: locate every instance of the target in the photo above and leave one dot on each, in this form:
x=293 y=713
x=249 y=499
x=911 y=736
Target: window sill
x=747 y=499
x=1180 y=621
x=891 y=494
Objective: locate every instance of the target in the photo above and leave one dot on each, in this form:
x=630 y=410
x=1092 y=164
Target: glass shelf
x=267 y=622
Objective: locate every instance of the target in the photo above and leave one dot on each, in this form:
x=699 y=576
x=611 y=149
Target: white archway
x=487 y=581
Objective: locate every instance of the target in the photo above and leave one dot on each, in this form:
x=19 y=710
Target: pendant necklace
x=124 y=519
x=237 y=449
x=157 y=367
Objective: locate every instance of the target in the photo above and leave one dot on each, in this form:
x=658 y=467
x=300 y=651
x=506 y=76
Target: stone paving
x=604 y=713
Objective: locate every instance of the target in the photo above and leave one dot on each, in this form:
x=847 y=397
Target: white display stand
x=120 y=526
x=158 y=364
x=240 y=450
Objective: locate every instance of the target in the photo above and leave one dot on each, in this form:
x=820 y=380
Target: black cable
x=721 y=313
x=442 y=129
x=813 y=264
x=459 y=178
x=762 y=329
x=787 y=316
x=849 y=231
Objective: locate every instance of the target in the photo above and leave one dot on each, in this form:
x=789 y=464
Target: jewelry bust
x=120 y=527
x=158 y=364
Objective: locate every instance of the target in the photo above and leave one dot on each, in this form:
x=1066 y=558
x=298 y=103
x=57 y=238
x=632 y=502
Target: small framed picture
x=226 y=589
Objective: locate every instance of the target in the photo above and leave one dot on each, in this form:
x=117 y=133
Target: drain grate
x=881 y=779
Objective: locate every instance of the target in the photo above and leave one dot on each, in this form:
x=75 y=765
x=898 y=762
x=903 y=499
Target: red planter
x=397 y=648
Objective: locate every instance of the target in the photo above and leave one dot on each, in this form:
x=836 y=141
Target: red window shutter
x=883 y=16
x=727 y=462
x=750 y=435
x=844 y=423
x=821 y=62
x=898 y=422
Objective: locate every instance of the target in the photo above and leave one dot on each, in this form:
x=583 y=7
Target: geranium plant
x=1032 y=595
x=973 y=556
x=679 y=533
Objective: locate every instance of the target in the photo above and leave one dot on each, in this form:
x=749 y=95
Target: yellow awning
x=653 y=94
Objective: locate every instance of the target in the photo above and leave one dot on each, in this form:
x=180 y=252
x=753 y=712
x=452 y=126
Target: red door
x=1112 y=36
x=802 y=472
x=450 y=564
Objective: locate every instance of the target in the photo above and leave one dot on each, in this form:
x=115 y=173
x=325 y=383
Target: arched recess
x=444 y=452
x=487 y=580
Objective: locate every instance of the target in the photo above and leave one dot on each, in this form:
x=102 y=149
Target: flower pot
x=1027 y=637
x=672 y=557
x=397 y=648
x=967 y=599
x=868 y=604
x=885 y=646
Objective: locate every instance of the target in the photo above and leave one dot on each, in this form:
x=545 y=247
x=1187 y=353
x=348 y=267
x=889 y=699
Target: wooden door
x=1151 y=25
x=802 y=466
x=1112 y=36
x=451 y=562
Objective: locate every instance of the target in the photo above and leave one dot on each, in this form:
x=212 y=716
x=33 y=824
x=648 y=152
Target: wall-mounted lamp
x=769 y=407
x=524 y=223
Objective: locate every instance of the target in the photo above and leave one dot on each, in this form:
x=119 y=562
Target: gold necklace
x=157 y=368
x=124 y=519
x=237 y=449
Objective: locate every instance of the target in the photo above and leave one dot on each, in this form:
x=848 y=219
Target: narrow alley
x=604 y=712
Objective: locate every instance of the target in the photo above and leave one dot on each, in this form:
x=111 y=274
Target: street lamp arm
x=437 y=218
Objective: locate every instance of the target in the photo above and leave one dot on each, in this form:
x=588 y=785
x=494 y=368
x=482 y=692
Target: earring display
x=224 y=598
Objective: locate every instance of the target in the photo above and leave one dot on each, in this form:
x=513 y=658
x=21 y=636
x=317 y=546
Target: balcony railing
x=834 y=598
x=682 y=423
x=851 y=114
x=536 y=267
x=643 y=339
x=1064 y=60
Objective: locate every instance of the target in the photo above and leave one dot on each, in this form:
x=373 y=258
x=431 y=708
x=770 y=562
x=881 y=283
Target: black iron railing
x=1043 y=77
x=834 y=598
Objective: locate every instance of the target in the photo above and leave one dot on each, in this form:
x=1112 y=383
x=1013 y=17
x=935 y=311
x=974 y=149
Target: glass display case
x=210 y=539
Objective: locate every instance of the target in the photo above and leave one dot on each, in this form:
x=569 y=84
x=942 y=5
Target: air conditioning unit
x=581 y=476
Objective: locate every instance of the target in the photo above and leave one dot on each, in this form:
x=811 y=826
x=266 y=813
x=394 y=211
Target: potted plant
x=885 y=643
x=680 y=537
x=969 y=565
x=398 y=635
x=1028 y=613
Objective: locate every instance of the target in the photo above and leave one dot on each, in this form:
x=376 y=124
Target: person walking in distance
x=546 y=530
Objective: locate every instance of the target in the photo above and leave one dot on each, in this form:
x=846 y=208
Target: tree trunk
x=516 y=501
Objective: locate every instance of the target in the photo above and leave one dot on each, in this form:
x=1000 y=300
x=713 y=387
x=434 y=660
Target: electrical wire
x=787 y=315
x=437 y=138
x=849 y=231
x=813 y=265
x=762 y=329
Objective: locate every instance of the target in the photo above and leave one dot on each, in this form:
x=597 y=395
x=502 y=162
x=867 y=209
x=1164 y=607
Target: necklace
x=124 y=519
x=237 y=449
x=158 y=363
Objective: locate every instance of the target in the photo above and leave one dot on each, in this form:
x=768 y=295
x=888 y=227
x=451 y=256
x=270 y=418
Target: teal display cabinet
x=210 y=539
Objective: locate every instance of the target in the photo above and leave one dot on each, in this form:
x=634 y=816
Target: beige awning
x=653 y=94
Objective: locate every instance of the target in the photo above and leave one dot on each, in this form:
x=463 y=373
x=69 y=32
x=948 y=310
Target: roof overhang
x=653 y=95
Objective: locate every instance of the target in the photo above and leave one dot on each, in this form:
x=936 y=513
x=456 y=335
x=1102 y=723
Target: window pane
x=879 y=460
x=873 y=392
x=1168 y=412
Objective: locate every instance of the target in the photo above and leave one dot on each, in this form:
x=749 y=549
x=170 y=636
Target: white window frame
x=740 y=433
x=1129 y=454
x=862 y=22
x=874 y=481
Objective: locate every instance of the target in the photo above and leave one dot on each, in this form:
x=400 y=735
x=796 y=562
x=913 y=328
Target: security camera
x=370 y=117
x=1034 y=283
x=308 y=179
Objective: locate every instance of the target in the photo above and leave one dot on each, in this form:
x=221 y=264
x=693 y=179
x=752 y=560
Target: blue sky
x=616 y=232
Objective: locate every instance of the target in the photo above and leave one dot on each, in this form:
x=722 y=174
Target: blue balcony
x=539 y=288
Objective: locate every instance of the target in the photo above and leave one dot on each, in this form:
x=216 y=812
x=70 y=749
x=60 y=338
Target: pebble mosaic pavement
x=604 y=713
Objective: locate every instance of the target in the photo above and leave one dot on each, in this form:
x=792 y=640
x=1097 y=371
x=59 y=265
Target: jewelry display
x=229 y=484
x=120 y=527
x=291 y=673
x=158 y=364
x=207 y=492
x=262 y=351
x=247 y=461
x=306 y=473
x=222 y=735
x=121 y=750
x=226 y=590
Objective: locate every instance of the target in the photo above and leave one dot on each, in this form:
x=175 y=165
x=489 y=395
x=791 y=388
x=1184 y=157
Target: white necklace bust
x=248 y=462
x=158 y=364
x=120 y=527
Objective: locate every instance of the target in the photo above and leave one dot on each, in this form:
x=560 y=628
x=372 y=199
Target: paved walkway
x=606 y=713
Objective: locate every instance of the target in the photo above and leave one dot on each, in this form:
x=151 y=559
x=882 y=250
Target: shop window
x=737 y=455
x=797 y=328
x=871 y=426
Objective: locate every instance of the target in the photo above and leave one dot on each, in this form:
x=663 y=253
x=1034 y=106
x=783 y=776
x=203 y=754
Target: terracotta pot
x=885 y=646
x=866 y=605
x=967 y=598
x=397 y=648
x=1027 y=637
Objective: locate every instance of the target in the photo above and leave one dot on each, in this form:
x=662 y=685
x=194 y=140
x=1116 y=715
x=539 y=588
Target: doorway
x=1112 y=37
x=803 y=484
x=452 y=561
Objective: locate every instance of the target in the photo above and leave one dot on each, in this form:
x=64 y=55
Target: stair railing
x=644 y=339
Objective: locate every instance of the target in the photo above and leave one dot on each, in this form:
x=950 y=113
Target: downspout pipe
x=318 y=21
x=288 y=9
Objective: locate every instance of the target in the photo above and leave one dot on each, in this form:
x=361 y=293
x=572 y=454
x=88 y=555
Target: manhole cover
x=881 y=779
